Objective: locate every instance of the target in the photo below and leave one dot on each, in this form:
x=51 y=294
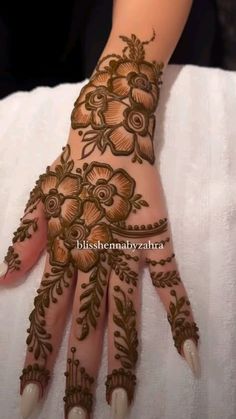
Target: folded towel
x=195 y=138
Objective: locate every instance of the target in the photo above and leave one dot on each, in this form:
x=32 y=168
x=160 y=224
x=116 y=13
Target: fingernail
x=29 y=399
x=192 y=357
x=119 y=403
x=77 y=413
x=3 y=268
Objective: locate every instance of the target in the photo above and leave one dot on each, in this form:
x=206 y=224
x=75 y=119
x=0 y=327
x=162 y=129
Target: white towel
x=195 y=137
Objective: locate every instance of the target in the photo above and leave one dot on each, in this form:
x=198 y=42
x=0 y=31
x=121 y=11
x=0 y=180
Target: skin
x=98 y=190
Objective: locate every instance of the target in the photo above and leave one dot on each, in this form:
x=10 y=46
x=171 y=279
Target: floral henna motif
x=120 y=378
x=119 y=103
x=79 y=204
x=127 y=338
x=181 y=328
x=78 y=386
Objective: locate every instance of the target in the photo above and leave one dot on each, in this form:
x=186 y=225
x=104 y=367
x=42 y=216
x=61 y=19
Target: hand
x=104 y=198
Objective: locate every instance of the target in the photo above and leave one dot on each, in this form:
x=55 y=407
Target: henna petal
x=80 y=115
x=85 y=259
x=60 y=253
x=54 y=226
x=100 y=232
x=121 y=140
x=119 y=210
x=120 y=86
x=147 y=69
x=145 y=98
x=98 y=171
x=70 y=209
x=124 y=184
x=113 y=115
x=91 y=213
x=100 y=79
x=69 y=185
x=151 y=125
x=86 y=89
x=97 y=118
x=126 y=67
x=145 y=147
x=48 y=182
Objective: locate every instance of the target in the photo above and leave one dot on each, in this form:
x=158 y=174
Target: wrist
x=116 y=108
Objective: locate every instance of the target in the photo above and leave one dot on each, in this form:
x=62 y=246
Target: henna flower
x=85 y=228
x=133 y=130
x=60 y=198
x=92 y=101
x=112 y=188
x=139 y=81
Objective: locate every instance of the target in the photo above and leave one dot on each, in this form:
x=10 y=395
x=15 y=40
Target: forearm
x=115 y=111
x=140 y=17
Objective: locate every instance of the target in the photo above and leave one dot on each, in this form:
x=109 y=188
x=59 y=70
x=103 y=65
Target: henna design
x=125 y=320
x=93 y=294
x=78 y=386
x=22 y=232
x=121 y=267
x=136 y=231
x=34 y=198
x=119 y=102
x=38 y=339
x=12 y=260
x=161 y=262
x=181 y=328
x=120 y=378
x=37 y=374
x=165 y=279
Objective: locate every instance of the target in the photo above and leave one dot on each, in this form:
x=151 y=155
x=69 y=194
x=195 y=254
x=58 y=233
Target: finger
x=123 y=322
x=28 y=240
x=47 y=321
x=170 y=288
x=86 y=338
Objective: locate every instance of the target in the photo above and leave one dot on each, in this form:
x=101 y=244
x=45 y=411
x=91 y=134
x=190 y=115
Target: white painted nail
x=77 y=413
x=29 y=399
x=192 y=357
x=119 y=403
x=3 y=268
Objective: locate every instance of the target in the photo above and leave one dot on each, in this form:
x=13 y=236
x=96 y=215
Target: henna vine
x=22 y=232
x=165 y=279
x=12 y=260
x=119 y=102
x=121 y=267
x=52 y=288
x=93 y=295
x=127 y=341
x=181 y=328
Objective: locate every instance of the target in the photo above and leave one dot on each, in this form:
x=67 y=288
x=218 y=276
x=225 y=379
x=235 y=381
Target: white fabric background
x=196 y=137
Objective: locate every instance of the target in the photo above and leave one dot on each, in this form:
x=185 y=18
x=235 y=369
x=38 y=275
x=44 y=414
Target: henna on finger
x=78 y=391
x=120 y=378
x=182 y=328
